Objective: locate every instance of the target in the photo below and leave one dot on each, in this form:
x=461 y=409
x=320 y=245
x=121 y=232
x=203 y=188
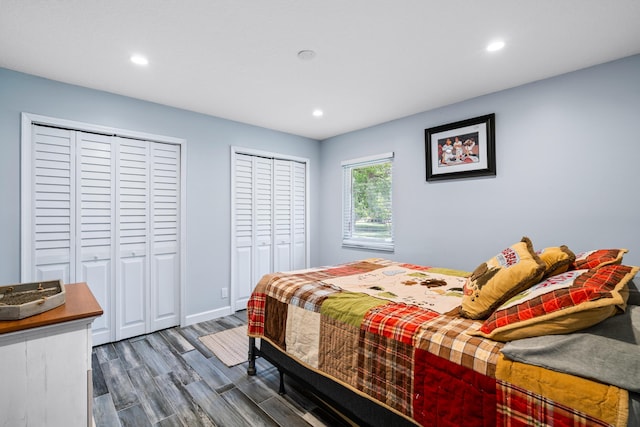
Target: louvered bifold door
x=269 y=220
x=165 y=259
x=262 y=219
x=252 y=224
x=95 y=225
x=52 y=205
x=283 y=214
x=242 y=230
x=105 y=210
x=299 y=225
x=132 y=221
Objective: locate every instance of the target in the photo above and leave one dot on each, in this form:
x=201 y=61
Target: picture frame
x=463 y=149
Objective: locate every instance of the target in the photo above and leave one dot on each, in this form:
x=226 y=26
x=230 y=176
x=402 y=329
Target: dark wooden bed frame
x=331 y=395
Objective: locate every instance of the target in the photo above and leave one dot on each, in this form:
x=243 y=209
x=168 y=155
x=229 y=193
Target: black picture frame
x=463 y=149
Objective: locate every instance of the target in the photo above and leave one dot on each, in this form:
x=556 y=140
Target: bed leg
x=251 y=369
x=281 y=390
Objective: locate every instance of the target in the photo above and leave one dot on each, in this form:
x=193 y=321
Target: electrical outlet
x=224 y=293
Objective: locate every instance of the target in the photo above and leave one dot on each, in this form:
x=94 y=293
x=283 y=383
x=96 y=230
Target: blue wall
x=568 y=172
x=208 y=170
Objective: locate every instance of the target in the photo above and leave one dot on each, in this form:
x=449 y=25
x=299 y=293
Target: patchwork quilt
x=391 y=332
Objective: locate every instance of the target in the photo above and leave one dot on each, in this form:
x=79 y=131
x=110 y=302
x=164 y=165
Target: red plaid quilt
x=417 y=362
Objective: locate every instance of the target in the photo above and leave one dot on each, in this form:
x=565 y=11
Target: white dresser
x=45 y=364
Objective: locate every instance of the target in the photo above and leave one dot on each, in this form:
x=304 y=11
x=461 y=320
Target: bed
x=391 y=343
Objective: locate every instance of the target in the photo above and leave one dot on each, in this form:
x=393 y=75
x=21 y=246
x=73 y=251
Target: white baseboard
x=192 y=319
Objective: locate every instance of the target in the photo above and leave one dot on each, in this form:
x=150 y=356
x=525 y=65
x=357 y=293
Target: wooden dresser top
x=79 y=304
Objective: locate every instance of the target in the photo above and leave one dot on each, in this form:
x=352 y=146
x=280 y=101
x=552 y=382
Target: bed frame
x=331 y=395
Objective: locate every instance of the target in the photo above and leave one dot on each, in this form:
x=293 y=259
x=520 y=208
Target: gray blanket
x=608 y=352
x=634 y=293
x=634 y=409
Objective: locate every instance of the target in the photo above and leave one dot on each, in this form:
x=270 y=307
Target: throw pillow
x=557 y=259
x=493 y=282
x=561 y=304
x=598 y=258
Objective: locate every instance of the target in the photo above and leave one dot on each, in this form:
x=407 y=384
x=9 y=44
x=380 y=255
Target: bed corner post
x=251 y=369
x=281 y=389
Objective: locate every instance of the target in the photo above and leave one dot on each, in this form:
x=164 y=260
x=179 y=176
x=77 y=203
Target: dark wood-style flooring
x=168 y=378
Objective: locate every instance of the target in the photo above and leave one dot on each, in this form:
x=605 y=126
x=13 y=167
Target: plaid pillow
x=493 y=282
x=598 y=258
x=561 y=304
x=557 y=259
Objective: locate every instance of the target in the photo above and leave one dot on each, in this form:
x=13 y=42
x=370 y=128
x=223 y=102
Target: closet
x=105 y=209
x=269 y=219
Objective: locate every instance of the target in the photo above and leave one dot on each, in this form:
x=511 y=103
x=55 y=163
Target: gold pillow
x=557 y=259
x=493 y=282
x=562 y=304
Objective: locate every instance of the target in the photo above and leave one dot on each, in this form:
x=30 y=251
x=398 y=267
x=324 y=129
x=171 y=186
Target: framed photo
x=462 y=149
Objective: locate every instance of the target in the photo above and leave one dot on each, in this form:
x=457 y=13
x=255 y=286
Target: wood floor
x=169 y=378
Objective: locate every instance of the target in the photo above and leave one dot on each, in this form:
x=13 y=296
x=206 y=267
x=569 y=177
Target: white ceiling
x=376 y=60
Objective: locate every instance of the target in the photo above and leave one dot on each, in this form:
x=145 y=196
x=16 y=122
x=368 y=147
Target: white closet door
x=96 y=228
x=105 y=210
x=243 y=230
x=132 y=219
x=269 y=205
x=53 y=201
x=283 y=214
x=263 y=219
x=165 y=260
x=253 y=224
x=299 y=215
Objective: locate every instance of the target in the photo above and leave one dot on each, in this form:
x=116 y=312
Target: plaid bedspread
x=415 y=361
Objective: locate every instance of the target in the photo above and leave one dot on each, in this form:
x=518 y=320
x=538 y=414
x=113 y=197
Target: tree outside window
x=367 y=203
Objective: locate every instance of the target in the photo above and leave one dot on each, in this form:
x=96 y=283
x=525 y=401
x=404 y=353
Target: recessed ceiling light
x=318 y=113
x=139 y=60
x=494 y=46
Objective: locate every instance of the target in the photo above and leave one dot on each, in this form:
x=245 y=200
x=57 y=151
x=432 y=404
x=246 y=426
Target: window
x=367 y=209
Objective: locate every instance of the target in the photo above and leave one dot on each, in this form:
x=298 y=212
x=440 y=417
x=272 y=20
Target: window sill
x=373 y=246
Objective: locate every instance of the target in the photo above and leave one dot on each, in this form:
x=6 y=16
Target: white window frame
x=348 y=240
